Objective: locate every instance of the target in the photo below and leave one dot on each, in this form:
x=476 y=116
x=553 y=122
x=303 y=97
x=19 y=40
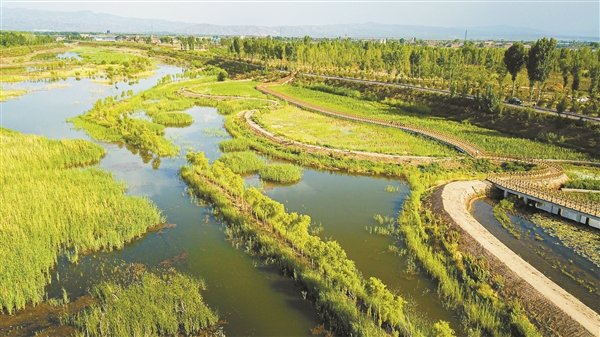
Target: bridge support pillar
x=505 y=193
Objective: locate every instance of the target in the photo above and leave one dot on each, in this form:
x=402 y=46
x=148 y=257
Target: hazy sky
x=566 y=17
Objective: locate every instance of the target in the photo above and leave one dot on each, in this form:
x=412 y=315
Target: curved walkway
x=259 y=130
x=455 y=199
x=541 y=182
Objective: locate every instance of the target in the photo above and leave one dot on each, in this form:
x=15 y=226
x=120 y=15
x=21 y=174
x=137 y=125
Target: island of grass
x=168 y=304
x=53 y=205
x=280 y=173
x=234 y=145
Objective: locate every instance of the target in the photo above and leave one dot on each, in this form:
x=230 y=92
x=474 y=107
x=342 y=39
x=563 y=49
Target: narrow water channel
x=345 y=206
x=546 y=253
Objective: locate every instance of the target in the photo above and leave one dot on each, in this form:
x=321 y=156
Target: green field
x=57 y=206
x=489 y=140
x=317 y=129
x=229 y=88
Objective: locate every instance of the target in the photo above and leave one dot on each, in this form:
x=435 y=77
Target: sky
x=574 y=17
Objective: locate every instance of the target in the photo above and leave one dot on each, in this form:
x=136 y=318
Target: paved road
x=455 y=198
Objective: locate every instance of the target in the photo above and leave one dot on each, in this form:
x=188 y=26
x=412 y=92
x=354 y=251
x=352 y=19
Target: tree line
x=560 y=75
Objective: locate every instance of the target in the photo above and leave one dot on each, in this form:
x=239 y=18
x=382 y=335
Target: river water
x=546 y=253
x=253 y=298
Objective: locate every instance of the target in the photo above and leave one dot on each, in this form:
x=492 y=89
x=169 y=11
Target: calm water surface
x=544 y=252
x=253 y=298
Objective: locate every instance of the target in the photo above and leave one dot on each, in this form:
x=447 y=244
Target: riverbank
x=550 y=304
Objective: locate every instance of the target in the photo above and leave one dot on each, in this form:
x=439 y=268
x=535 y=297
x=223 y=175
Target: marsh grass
x=234 y=145
x=53 y=205
x=280 y=173
x=242 y=162
x=173 y=118
x=487 y=139
x=170 y=304
x=501 y=211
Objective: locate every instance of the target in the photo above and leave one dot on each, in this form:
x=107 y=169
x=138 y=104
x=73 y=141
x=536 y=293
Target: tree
x=222 y=76
x=237 y=47
x=594 y=80
x=539 y=64
x=514 y=60
x=415 y=63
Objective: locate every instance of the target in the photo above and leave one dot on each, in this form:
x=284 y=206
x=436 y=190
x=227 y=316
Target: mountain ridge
x=89 y=21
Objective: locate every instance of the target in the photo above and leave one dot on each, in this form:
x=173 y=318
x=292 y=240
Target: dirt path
x=247 y=115
x=256 y=128
x=455 y=198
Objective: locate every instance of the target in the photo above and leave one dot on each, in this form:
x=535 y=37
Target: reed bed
x=170 y=304
x=53 y=205
x=280 y=173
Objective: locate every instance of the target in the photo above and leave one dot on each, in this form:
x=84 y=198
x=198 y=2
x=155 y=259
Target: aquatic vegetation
x=6 y=94
x=242 y=162
x=280 y=173
x=349 y=303
x=501 y=211
x=111 y=119
x=32 y=63
x=173 y=118
x=584 y=240
x=57 y=207
x=234 y=145
x=169 y=304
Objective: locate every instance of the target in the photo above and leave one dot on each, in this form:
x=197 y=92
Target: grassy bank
x=53 y=205
x=311 y=128
x=487 y=139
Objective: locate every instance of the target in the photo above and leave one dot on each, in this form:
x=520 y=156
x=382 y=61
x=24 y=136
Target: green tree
x=237 y=47
x=514 y=60
x=539 y=64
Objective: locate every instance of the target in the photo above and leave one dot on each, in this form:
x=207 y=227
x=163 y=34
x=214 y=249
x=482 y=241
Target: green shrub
x=222 y=76
x=281 y=173
x=242 y=162
x=584 y=184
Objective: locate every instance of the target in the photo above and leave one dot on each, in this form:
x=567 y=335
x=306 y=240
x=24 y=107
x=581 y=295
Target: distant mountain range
x=87 y=21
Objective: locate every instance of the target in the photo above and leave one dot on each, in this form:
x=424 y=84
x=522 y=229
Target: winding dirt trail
x=455 y=198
